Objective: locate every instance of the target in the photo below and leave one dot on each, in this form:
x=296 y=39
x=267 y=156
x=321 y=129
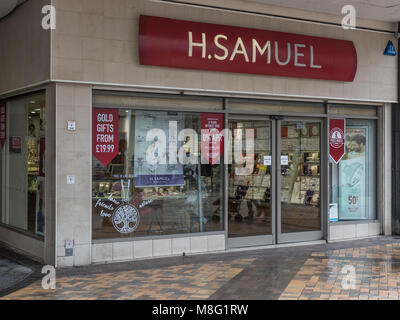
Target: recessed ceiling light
x=32 y=101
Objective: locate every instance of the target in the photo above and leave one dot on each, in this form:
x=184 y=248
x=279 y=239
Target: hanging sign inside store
x=337 y=139
x=15 y=144
x=3 y=123
x=105 y=134
x=212 y=141
x=203 y=46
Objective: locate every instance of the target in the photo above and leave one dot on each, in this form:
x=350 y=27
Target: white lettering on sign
x=220 y=46
x=105 y=140
x=288 y=53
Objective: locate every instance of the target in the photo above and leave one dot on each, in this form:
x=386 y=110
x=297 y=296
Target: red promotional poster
x=212 y=141
x=204 y=46
x=3 y=123
x=337 y=139
x=105 y=134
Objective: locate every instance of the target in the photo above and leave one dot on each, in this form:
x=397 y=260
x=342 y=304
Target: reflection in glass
x=22 y=159
x=300 y=176
x=249 y=209
x=353 y=190
x=174 y=197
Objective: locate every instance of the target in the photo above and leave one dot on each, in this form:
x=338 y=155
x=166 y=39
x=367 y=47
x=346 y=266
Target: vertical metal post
x=396 y=154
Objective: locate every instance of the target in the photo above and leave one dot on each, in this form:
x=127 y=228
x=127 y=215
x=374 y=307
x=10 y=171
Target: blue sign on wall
x=390 y=49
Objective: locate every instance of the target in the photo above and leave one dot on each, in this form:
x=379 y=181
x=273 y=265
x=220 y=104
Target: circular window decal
x=126 y=218
x=336 y=138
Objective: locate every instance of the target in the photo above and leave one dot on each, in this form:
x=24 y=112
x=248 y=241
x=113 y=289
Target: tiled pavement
x=308 y=272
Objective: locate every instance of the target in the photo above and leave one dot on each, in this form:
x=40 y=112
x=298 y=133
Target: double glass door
x=274 y=181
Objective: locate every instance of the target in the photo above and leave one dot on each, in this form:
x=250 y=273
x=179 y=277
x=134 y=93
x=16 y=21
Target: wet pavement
x=16 y=271
x=11 y=273
x=353 y=270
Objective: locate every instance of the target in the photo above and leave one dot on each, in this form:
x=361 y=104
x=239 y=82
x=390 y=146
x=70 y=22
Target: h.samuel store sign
x=203 y=46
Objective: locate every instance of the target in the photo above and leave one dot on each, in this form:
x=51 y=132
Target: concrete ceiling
x=7 y=6
x=381 y=10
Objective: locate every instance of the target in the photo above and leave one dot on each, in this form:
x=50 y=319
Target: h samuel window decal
x=213 y=47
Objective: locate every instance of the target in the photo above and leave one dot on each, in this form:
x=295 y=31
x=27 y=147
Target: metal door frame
x=305 y=235
x=249 y=241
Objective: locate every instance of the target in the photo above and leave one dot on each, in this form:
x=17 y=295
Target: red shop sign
x=203 y=46
x=337 y=139
x=3 y=123
x=212 y=141
x=105 y=134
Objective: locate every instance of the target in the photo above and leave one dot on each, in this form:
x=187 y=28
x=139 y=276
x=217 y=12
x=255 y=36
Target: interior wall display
x=15 y=144
x=163 y=170
x=352 y=175
x=212 y=142
x=205 y=46
x=105 y=134
x=3 y=123
x=337 y=139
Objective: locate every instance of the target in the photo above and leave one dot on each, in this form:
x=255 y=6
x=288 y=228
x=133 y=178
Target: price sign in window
x=105 y=134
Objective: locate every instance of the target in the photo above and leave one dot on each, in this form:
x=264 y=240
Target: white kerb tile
x=336 y=232
x=122 y=251
x=362 y=230
x=216 y=242
x=349 y=231
x=102 y=252
x=162 y=247
x=180 y=245
x=198 y=244
x=143 y=249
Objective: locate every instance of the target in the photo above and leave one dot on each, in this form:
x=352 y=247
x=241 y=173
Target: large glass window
x=353 y=180
x=22 y=129
x=158 y=183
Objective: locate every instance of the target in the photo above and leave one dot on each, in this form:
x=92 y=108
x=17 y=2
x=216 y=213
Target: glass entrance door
x=250 y=206
x=299 y=181
x=274 y=182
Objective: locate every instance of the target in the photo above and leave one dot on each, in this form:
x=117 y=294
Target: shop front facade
x=154 y=129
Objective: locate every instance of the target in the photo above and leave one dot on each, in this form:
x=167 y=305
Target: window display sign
x=15 y=144
x=333 y=212
x=352 y=176
x=337 y=139
x=3 y=123
x=212 y=141
x=204 y=46
x=156 y=149
x=105 y=134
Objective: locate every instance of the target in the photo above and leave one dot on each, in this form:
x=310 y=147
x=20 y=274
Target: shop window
x=22 y=163
x=157 y=181
x=353 y=180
